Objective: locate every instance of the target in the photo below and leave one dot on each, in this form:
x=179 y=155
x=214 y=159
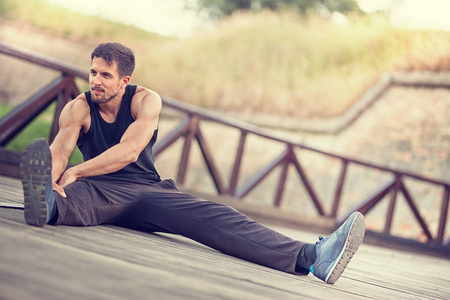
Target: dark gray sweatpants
x=160 y=207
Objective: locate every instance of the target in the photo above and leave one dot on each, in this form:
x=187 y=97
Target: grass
x=58 y=20
x=39 y=127
x=284 y=65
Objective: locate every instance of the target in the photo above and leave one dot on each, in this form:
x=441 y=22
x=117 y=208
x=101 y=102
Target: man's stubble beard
x=102 y=99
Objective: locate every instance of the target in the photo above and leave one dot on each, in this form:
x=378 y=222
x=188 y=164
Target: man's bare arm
x=146 y=106
x=73 y=117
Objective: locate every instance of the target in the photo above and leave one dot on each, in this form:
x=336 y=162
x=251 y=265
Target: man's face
x=104 y=80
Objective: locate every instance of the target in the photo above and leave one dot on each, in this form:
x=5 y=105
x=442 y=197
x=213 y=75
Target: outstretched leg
x=221 y=227
x=218 y=226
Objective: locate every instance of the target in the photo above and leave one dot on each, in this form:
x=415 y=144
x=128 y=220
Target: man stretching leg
x=115 y=126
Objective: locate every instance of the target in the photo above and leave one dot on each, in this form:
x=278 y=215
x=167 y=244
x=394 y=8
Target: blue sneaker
x=35 y=172
x=334 y=252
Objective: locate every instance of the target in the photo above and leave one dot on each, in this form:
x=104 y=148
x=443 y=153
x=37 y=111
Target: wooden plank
x=11 y=193
x=381 y=273
x=124 y=264
x=107 y=262
x=9 y=163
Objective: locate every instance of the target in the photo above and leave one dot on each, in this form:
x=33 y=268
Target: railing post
x=415 y=211
x=365 y=206
x=237 y=164
x=443 y=216
x=213 y=171
x=339 y=187
x=62 y=99
x=186 y=150
x=170 y=138
x=307 y=185
x=254 y=181
x=282 y=182
x=390 y=213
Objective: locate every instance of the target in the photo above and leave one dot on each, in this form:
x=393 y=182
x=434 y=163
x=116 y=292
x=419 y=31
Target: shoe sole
x=35 y=170
x=352 y=243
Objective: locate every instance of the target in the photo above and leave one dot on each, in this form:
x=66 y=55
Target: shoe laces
x=321 y=240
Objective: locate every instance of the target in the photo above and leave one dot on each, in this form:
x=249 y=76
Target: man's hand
x=68 y=177
x=59 y=189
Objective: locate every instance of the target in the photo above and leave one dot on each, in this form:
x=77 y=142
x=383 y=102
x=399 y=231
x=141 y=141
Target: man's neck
x=110 y=109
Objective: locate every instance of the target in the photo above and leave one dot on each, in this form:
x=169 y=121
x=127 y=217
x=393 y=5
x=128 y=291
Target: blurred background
x=317 y=56
x=269 y=62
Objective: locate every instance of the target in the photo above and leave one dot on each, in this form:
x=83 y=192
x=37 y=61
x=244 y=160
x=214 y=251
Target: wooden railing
x=189 y=131
x=60 y=90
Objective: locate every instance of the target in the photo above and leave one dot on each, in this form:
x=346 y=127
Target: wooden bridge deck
x=108 y=262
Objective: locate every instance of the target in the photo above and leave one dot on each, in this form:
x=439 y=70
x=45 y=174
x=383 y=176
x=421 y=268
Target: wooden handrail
x=43 y=61
x=244 y=127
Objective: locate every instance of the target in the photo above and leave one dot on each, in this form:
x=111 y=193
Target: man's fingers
x=67 y=178
x=60 y=190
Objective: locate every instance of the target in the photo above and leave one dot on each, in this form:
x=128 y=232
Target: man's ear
x=125 y=80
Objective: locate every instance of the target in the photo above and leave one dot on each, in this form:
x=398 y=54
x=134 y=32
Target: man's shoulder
x=145 y=99
x=143 y=92
x=80 y=102
x=79 y=105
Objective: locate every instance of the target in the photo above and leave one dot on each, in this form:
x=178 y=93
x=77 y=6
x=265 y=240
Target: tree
x=342 y=6
x=220 y=8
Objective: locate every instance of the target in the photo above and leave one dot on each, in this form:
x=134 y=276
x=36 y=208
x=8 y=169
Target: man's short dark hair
x=116 y=52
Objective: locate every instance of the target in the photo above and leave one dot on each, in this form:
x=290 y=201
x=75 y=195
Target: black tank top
x=103 y=135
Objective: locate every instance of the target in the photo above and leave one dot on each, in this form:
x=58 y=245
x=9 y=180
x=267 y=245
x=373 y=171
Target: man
x=115 y=126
